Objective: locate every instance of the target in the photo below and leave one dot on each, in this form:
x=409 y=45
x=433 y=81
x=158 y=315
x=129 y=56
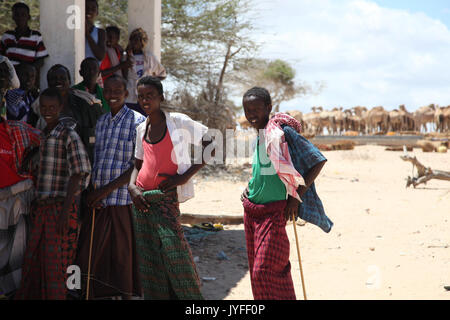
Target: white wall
x=62 y=28
x=146 y=14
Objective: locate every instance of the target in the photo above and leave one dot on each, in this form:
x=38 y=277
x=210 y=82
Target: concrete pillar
x=146 y=14
x=62 y=28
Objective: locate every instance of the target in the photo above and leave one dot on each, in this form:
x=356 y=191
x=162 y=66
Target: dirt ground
x=388 y=242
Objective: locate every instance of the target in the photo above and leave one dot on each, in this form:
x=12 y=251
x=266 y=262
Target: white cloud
x=366 y=54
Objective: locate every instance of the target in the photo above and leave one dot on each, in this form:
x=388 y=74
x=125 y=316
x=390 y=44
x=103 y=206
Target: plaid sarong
x=167 y=269
x=48 y=254
x=268 y=251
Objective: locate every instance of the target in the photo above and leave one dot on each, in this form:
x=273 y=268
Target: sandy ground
x=388 y=242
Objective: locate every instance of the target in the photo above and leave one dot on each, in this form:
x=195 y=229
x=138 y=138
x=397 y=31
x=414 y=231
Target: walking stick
x=299 y=258
x=90 y=254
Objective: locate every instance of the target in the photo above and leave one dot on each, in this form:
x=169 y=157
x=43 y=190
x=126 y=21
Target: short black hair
x=151 y=81
x=113 y=29
x=56 y=67
x=52 y=93
x=96 y=2
x=20 y=5
x=260 y=93
x=117 y=77
x=85 y=61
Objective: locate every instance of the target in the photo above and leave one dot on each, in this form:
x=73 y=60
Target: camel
x=312 y=121
x=395 y=120
x=423 y=116
x=407 y=119
x=377 y=120
x=327 y=120
x=350 y=120
x=359 y=118
x=442 y=119
x=340 y=120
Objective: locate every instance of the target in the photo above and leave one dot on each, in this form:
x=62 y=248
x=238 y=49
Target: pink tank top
x=157 y=160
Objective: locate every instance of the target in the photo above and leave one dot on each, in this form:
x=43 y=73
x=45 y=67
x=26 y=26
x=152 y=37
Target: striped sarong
x=167 y=270
x=15 y=202
x=268 y=251
x=48 y=254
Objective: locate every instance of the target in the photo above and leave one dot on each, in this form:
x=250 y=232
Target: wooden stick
x=299 y=257
x=90 y=255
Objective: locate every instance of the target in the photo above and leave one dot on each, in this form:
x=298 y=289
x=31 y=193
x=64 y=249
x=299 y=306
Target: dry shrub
x=323 y=147
x=428 y=147
x=343 y=145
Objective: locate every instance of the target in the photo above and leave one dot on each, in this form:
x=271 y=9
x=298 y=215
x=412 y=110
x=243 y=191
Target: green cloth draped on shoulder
x=165 y=261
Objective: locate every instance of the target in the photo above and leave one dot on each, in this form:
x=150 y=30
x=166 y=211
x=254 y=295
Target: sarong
x=167 y=269
x=15 y=202
x=48 y=254
x=268 y=251
x=114 y=266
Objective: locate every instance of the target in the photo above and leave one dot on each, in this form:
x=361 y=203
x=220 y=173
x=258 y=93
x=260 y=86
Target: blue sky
x=437 y=9
x=365 y=52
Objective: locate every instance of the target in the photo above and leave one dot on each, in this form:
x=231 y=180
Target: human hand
x=87 y=28
x=244 y=194
x=291 y=209
x=95 y=197
x=138 y=199
x=171 y=181
x=128 y=63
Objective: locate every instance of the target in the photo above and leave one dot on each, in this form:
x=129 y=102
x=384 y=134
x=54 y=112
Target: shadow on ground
x=221 y=259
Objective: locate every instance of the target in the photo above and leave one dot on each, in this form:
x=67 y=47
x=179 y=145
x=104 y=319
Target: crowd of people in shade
x=92 y=175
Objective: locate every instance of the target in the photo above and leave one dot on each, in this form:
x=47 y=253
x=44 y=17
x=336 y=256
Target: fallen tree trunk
x=425 y=174
x=187 y=218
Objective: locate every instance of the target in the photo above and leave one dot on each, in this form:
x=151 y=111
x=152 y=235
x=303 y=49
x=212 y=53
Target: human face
x=21 y=17
x=90 y=71
x=256 y=112
x=149 y=99
x=50 y=108
x=27 y=77
x=136 y=43
x=91 y=11
x=112 y=39
x=115 y=94
x=58 y=79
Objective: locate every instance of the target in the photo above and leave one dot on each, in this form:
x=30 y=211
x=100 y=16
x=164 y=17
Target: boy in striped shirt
x=23 y=45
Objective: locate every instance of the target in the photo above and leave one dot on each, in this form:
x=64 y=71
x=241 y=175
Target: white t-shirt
x=139 y=65
x=183 y=131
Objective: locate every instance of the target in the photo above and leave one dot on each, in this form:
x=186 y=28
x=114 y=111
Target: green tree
x=278 y=77
x=6 y=21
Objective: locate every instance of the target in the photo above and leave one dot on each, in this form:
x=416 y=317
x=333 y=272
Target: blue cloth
x=18 y=105
x=115 y=141
x=304 y=156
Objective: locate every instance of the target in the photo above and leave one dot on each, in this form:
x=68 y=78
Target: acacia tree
x=278 y=77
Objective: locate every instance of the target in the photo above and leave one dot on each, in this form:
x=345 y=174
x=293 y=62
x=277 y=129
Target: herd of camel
x=374 y=121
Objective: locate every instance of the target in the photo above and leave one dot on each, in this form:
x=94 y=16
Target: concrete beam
x=146 y=14
x=62 y=28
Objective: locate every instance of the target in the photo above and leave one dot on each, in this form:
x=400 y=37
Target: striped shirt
x=27 y=48
x=115 y=140
x=62 y=155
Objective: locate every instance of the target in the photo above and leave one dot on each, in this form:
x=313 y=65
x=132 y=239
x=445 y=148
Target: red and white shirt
x=27 y=48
